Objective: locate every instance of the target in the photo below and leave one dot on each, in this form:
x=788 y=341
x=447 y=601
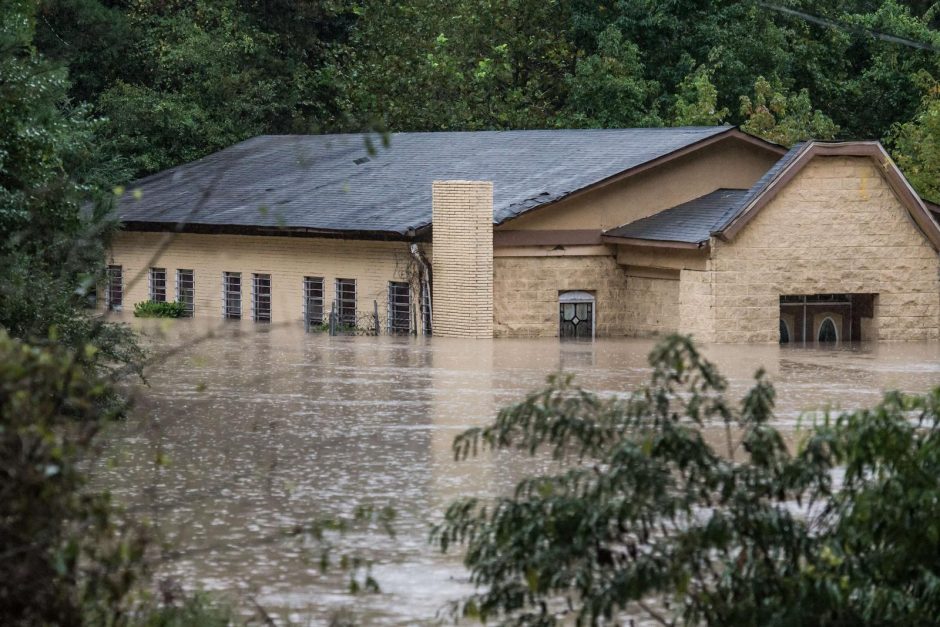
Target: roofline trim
x=871 y=149
x=274 y=231
x=653 y=243
x=731 y=132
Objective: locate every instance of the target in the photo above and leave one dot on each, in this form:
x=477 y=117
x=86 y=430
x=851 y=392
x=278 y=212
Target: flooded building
x=627 y=232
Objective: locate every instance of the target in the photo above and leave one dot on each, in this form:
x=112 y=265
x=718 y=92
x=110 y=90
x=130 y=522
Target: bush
x=153 y=309
x=650 y=514
x=63 y=554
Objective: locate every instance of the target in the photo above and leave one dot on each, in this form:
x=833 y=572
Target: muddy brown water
x=266 y=427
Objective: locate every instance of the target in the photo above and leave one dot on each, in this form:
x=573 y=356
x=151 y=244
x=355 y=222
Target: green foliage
x=697 y=101
x=154 y=309
x=64 y=554
x=648 y=514
x=916 y=145
x=608 y=89
x=784 y=118
x=197 y=610
x=52 y=250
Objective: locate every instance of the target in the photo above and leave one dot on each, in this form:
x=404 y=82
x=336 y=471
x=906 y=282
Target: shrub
x=154 y=309
x=63 y=554
x=649 y=513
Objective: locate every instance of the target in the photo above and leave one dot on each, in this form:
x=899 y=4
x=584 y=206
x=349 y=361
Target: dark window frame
x=261 y=295
x=186 y=290
x=399 y=307
x=157 y=285
x=232 y=295
x=114 y=292
x=313 y=300
x=346 y=302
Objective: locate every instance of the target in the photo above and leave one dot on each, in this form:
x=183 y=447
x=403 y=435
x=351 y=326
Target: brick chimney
x=462 y=258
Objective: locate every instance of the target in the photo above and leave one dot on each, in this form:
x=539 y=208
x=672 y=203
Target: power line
x=850 y=27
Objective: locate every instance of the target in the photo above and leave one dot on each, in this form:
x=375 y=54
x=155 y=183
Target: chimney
x=462 y=258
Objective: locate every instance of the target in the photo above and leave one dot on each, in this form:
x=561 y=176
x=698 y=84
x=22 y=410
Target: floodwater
x=263 y=428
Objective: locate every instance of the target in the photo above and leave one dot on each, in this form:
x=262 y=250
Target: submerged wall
x=837 y=227
x=287 y=259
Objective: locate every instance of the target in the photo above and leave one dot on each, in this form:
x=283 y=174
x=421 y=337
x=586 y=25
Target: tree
x=52 y=250
x=784 y=118
x=648 y=515
x=607 y=89
x=916 y=145
x=697 y=101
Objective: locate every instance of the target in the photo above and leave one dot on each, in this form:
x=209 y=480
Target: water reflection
x=265 y=427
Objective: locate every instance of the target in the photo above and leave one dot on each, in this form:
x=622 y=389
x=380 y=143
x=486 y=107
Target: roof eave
x=269 y=231
x=653 y=243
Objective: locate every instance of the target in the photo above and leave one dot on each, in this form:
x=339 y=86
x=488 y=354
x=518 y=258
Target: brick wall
x=697 y=304
x=286 y=259
x=836 y=227
x=463 y=258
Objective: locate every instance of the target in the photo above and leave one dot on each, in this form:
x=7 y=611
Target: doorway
x=576 y=315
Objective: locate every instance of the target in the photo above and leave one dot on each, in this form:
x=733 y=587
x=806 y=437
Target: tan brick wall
x=463 y=258
x=836 y=227
x=728 y=163
x=526 y=290
x=697 y=304
x=286 y=259
x=652 y=305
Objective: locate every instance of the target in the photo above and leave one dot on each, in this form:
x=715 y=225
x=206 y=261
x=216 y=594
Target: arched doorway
x=827 y=331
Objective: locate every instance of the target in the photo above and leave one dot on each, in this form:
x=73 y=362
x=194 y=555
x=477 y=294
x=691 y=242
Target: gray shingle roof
x=693 y=222
x=330 y=183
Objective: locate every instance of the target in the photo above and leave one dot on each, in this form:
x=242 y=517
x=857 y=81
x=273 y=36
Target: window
x=232 y=295
x=399 y=307
x=186 y=290
x=827 y=331
x=115 y=291
x=576 y=315
x=261 y=297
x=158 y=285
x=313 y=300
x=346 y=302
x=784 y=332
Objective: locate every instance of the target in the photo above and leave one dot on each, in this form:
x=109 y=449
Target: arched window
x=827 y=331
x=784 y=332
x=576 y=315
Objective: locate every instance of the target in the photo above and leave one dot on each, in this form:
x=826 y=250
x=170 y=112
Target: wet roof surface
x=691 y=222
x=694 y=221
x=332 y=183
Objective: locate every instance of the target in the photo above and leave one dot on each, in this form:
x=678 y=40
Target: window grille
x=399 y=307
x=426 y=307
x=232 y=295
x=158 y=285
x=313 y=300
x=346 y=302
x=186 y=290
x=115 y=291
x=261 y=297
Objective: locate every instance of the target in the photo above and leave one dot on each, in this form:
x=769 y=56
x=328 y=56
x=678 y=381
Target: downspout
x=425 y=284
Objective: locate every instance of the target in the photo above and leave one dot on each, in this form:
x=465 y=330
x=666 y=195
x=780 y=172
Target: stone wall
x=837 y=227
x=652 y=304
x=697 y=304
x=526 y=290
x=463 y=259
x=287 y=259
